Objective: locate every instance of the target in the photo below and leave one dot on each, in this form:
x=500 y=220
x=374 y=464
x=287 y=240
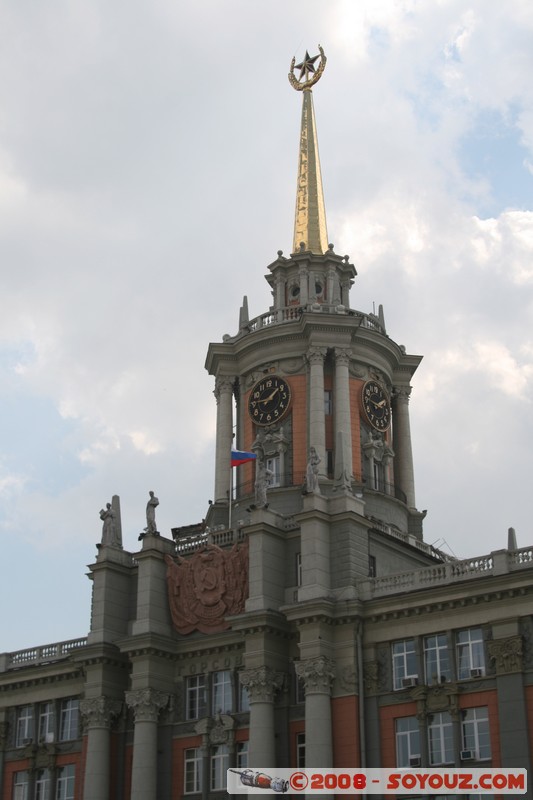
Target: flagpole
x=230 y=494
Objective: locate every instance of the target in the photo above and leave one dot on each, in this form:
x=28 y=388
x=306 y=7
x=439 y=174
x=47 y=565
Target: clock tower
x=314 y=379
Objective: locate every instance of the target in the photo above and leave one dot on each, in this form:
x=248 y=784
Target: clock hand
x=268 y=399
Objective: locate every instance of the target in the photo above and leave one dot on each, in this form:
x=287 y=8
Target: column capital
x=146 y=704
x=99 y=712
x=224 y=383
x=316 y=355
x=402 y=393
x=342 y=356
x=261 y=683
x=317 y=673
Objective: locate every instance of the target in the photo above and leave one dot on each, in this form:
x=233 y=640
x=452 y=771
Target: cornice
x=427 y=601
x=18 y=681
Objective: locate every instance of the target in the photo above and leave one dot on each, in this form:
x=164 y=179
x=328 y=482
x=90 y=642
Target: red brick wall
x=345 y=724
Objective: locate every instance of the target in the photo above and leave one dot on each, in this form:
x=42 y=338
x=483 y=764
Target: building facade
x=304 y=622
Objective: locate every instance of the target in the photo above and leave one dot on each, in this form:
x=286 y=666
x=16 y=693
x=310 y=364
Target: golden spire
x=310 y=217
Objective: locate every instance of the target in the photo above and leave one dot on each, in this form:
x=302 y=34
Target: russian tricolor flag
x=239 y=457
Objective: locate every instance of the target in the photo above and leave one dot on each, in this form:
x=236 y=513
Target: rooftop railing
x=500 y=562
x=44 y=654
x=293 y=314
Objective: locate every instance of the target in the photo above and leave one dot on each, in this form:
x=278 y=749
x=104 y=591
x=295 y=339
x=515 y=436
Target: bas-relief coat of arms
x=206 y=587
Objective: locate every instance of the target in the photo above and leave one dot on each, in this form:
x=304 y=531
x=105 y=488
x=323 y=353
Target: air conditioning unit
x=411 y=681
x=415 y=761
x=477 y=672
x=467 y=755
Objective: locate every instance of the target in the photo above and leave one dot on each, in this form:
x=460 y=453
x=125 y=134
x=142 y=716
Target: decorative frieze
x=317 y=674
x=261 y=683
x=507 y=654
x=434 y=699
x=371 y=677
x=99 y=712
x=146 y=704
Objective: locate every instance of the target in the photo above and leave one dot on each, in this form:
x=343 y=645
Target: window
x=21 y=786
x=475 y=733
x=404 y=667
x=407 y=741
x=193 y=770
x=46 y=722
x=273 y=464
x=65 y=782
x=470 y=653
x=242 y=755
x=42 y=785
x=222 y=692
x=24 y=726
x=300 y=750
x=219 y=767
x=440 y=735
x=328 y=402
x=196 y=697
x=436 y=658
x=68 y=728
x=372 y=567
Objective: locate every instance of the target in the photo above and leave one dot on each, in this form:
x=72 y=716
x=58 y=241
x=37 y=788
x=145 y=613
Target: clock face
x=269 y=400
x=376 y=405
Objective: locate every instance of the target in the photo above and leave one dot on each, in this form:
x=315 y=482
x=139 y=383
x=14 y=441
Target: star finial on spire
x=307 y=66
x=309 y=74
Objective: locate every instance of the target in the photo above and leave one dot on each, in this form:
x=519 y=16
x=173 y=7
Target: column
x=262 y=684
x=345 y=293
x=343 y=419
x=403 y=465
x=318 y=674
x=333 y=294
x=146 y=705
x=317 y=419
x=224 y=394
x=98 y=714
x=279 y=296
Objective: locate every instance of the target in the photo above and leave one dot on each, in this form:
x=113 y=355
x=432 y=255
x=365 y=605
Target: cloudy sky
x=147 y=178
